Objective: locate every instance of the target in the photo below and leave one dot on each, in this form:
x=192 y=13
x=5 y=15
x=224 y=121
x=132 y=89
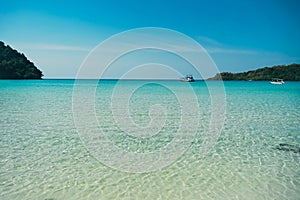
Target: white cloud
x=230 y=50
x=52 y=47
x=214 y=46
x=208 y=41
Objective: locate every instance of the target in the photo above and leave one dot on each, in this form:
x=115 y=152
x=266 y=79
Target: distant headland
x=15 y=65
x=287 y=72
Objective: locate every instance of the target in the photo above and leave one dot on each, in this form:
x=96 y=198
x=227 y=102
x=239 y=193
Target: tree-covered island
x=15 y=65
x=287 y=72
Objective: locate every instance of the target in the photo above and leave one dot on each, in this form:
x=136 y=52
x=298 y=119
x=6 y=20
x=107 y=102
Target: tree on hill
x=287 y=72
x=15 y=65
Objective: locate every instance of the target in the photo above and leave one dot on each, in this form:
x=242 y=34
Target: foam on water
x=42 y=156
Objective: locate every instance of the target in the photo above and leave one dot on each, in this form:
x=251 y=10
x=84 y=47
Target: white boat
x=277 y=81
x=188 y=78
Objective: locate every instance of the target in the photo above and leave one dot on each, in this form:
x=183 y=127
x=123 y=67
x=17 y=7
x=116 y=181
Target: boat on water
x=187 y=78
x=277 y=81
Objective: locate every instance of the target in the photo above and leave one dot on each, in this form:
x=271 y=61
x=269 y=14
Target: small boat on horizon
x=187 y=78
x=277 y=81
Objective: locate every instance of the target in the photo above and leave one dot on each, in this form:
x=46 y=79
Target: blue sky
x=239 y=35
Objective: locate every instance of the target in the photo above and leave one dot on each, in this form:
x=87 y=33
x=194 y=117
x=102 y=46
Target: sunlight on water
x=256 y=156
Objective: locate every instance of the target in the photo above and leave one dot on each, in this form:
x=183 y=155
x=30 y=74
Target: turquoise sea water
x=42 y=156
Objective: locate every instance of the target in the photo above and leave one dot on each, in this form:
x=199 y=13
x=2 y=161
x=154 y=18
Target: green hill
x=286 y=72
x=14 y=65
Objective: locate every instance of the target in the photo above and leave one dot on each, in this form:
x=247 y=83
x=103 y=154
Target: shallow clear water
x=43 y=157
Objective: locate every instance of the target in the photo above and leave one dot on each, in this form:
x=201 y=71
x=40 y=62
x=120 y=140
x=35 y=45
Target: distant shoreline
x=287 y=72
x=173 y=80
